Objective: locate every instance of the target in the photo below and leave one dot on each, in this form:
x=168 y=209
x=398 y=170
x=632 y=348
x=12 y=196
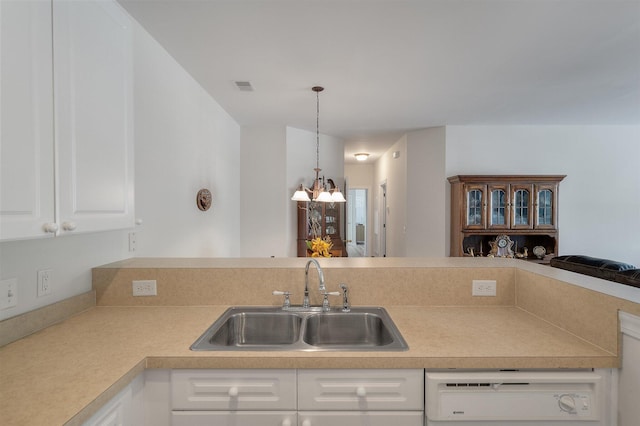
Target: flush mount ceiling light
x=361 y=156
x=319 y=193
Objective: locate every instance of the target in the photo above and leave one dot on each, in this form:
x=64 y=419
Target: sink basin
x=246 y=327
x=347 y=329
x=258 y=328
x=270 y=328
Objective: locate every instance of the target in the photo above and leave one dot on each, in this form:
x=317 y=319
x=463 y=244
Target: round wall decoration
x=203 y=199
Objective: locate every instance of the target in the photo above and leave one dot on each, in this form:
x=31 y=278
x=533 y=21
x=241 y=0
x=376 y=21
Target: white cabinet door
x=226 y=418
x=233 y=390
x=124 y=409
x=93 y=115
x=116 y=412
x=361 y=390
x=26 y=119
x=357 y=418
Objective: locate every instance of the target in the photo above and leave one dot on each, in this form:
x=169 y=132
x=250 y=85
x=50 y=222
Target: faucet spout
x=321 y=287
x=346 y=307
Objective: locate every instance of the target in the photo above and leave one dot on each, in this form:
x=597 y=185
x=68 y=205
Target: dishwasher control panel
x=513 y=397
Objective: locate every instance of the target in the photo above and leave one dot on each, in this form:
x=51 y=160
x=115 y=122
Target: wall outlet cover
x=45 y=282
x=483 y=288
x=144 y=288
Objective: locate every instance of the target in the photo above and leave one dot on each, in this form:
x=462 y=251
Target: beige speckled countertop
x=540 y=318
x=73 y=367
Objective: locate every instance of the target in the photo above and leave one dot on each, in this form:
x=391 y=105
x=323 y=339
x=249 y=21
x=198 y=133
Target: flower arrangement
x=319 y=247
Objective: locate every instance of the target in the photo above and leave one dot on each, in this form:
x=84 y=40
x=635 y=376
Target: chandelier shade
x=300 y=194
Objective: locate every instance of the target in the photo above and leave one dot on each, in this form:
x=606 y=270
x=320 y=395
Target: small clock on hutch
x=501 y=246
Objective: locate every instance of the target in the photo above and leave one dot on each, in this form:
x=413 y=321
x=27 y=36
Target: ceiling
x=391 y=66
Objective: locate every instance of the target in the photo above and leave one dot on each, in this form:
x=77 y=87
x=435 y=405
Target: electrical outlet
x=8 y=293
x=45 y=282
x=144 y=288
x=483 y=288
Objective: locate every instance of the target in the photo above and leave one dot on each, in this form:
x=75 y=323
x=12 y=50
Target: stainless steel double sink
x=274 y=329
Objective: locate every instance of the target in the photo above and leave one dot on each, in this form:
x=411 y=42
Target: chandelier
x=319 y=192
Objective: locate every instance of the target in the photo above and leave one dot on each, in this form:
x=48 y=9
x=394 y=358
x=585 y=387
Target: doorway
x=383 y=219
x=357 y=223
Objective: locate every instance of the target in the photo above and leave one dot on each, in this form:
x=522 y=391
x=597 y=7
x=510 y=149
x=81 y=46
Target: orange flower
x=320 y=247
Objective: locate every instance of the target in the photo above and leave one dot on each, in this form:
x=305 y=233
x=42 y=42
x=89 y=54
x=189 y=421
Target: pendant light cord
x=317 y=129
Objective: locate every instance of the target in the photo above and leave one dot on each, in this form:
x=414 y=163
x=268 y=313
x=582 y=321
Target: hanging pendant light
x=318 y=192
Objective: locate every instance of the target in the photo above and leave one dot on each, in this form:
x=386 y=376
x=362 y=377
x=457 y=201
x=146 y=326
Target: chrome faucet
x=321 y=287
x=345 y=298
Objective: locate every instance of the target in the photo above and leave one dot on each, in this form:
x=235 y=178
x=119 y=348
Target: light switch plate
x=8 y=293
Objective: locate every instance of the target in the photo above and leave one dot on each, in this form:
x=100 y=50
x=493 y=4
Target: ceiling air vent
x=245 y=86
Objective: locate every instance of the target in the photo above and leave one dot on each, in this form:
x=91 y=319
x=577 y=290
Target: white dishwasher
x=513 y=398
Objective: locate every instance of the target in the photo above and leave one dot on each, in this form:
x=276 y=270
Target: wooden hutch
x=320 y=219
x=522 y=207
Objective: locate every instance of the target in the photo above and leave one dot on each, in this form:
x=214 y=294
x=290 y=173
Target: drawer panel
x=246 y=418
x=233 y=390
x=356 y=418
x=361 y=390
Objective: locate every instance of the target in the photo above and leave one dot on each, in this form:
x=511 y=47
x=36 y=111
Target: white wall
x=599 y=205
x=184 y=142
x=426 y=194
x=70 y=257
x=393 y=172
x=300 y=162
x=416 y=195
x=264 y=192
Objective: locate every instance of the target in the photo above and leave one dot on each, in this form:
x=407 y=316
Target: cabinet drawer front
x=357 y=418
x=360 y=390
x=224 y=418
x=233 y=389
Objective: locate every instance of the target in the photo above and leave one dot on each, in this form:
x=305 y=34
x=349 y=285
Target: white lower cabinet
x=629 y=379
x=233 y=418
x=297 y=397
x=124 y=409
x=360 y=397
x=360 y=390
x=115 y=413
x=233 y=398
x=233 y=390
x=360 y=418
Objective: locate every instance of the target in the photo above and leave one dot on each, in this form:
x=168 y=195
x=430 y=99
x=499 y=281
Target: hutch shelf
x=522 y=207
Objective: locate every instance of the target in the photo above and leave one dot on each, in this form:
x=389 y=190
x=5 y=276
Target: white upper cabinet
x=67 y=129
x=93 y=73
x=26 y=120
